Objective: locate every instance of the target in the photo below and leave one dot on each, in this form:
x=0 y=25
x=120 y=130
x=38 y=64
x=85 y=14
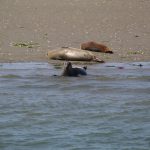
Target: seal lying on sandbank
x=72 y=54
x=95 y=47
x=73 y=71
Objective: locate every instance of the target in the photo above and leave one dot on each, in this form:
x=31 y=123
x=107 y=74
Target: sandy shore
x=123 y=25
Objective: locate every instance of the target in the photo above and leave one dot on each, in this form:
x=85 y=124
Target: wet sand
x=122 y=25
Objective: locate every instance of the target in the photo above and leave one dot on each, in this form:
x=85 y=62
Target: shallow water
x=109 y=109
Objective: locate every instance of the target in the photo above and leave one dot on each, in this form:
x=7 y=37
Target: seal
x=72 y=54
x=73 y=71
x=96 y=47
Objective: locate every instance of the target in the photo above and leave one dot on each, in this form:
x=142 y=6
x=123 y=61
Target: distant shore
x=124 y=26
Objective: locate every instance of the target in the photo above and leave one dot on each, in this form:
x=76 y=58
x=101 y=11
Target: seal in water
x=96 y=47
x=73 y=71
x=72 y=54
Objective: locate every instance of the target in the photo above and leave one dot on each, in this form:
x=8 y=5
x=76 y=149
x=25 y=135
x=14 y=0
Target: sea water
x=109 y=109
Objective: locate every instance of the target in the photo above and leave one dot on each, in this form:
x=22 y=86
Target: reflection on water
x=108 y=109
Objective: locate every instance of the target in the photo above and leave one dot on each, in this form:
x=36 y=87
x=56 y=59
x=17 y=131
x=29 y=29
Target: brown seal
x=72 y=54
x=96 y=47
x=73 y=71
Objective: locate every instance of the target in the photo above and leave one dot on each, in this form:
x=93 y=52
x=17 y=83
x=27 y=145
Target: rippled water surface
x=109 y=109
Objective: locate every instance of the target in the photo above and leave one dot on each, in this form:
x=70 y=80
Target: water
x=107 y=110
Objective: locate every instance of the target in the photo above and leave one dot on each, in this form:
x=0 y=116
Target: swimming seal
x=96 y=47
x=72 y=54
x=73 y=71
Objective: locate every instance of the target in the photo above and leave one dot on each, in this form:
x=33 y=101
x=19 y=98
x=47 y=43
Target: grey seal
x=72 y=54
x=71 y=71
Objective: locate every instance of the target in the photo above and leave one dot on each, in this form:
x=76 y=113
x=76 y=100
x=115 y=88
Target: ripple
x=107 y=108
x=10 y=76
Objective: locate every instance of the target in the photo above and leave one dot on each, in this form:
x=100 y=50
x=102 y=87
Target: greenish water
x=109 y=109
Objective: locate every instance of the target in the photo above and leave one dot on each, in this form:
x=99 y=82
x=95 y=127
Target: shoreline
x=107 y=58
x=34 y=56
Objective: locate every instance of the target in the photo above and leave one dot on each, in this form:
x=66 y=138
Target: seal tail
x=110 y=52
x=98 y=60
x=85 y=67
